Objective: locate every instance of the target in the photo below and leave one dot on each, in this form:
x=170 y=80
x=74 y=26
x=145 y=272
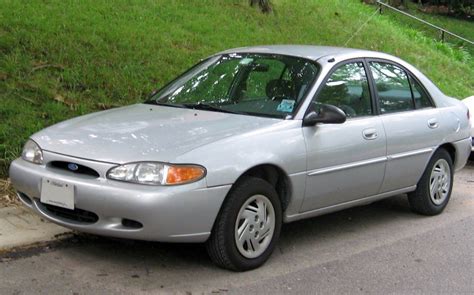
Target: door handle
x=370 y=133
x=433 y=123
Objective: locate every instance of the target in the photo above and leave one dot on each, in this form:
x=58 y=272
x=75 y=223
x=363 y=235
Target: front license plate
x=57 y=193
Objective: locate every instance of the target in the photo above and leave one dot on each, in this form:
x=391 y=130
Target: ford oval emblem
x=72 y=167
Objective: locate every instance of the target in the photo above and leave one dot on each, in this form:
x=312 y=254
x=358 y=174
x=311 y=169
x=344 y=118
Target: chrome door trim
x=346 y=166
x=370 y=161
x=410 y=154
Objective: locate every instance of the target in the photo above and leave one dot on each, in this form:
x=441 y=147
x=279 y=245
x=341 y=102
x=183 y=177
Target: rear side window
x=420 y=96
x=393 y=88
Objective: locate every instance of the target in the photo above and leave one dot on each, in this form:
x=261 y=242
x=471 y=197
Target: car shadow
x=177 y=255
x=154 y=265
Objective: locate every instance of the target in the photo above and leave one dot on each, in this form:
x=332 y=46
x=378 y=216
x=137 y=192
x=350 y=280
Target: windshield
x=252 y=84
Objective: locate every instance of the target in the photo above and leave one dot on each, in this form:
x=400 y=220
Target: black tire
x=420 y=200
x=222 y=246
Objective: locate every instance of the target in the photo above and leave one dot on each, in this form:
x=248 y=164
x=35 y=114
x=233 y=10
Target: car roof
x=307 y=51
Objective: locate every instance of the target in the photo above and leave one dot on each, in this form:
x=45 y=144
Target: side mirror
x=324 y=113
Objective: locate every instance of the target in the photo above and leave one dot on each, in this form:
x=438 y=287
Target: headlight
x=32 y=152
x=155 y=173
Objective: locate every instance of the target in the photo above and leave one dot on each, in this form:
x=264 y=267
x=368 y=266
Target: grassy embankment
x=60 y=59
x=457 y=26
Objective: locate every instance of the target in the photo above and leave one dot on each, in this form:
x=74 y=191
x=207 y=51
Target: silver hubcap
x=254 y=226
x=440 y=181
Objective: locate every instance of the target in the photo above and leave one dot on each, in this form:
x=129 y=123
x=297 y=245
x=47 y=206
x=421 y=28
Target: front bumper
x=183 y=213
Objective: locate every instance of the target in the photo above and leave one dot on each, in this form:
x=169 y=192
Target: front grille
x=77 y=215
x=79 y=169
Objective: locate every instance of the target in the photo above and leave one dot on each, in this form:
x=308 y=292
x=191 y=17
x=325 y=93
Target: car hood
x=143 y=133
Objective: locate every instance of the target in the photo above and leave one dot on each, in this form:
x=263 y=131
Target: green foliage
x=456 y=5
x=60 y=59
x=457 y=26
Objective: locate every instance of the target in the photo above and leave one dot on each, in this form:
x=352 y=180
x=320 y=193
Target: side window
x=393 y=87
x=419 y=95
x=348 y=89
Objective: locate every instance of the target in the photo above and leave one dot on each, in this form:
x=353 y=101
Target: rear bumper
x=171 y=214
x=463 y=150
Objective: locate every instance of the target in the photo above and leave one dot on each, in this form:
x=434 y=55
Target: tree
x=455 y=5
x=263 y=4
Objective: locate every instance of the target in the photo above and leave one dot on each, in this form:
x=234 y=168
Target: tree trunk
x=263 y=4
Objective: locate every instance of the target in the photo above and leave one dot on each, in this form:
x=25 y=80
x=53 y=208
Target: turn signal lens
x=156 y=173
x=184 y=174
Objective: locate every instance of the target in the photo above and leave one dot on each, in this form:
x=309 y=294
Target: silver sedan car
x=244 y=141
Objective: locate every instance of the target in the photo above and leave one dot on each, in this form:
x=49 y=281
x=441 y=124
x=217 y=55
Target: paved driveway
x=379 y=248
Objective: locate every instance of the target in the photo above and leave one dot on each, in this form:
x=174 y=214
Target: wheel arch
x=451 y=151
x=274 y=175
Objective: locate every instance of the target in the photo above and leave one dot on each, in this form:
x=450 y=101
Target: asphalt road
x=381 y=248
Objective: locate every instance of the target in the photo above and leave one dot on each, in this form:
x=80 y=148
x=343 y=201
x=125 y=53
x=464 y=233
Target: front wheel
x=248 y=226
x=434 y=188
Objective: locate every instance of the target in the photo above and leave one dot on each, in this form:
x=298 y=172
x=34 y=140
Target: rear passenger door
x=410 y=120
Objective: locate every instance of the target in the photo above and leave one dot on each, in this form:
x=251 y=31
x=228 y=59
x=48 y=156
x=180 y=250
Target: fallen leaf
x=104 y=106
x=59 y=97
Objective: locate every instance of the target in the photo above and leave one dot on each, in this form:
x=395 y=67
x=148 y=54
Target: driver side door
x=345 y=162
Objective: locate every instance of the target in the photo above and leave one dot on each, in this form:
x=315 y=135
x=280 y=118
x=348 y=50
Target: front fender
x=227 y=159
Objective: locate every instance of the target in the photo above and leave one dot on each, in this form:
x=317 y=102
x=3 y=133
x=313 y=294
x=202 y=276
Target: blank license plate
x=57 y=193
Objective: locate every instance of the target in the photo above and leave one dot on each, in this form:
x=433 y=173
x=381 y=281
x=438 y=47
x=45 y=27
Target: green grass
x=60 y=59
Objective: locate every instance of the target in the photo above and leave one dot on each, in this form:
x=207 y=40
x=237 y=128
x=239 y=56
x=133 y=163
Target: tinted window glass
x=258 y=79
x=392 y=86
x=419 y=95
x=348 y=89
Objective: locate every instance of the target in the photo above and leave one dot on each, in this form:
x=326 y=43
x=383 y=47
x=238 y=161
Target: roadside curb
x=20 y=227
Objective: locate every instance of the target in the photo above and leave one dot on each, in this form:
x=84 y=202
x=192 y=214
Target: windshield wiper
x=194 y=106
x=175 y=105
x=209 y=107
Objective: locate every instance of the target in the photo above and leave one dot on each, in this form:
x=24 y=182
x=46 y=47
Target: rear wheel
x=434 y=188
x=248 y=226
